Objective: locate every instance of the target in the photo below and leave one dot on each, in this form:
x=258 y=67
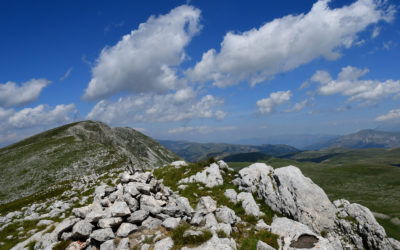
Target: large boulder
x=120 y=209
x=206 y=205
x=102 y=235
x=250 y=177
x=226 y=215
x=288 y=191
x=164 y=244
x=360 y=226
x=150 y=204
x=210 y=176
x=82 y=230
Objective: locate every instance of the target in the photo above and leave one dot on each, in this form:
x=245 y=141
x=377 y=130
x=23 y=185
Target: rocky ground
x=200 y=206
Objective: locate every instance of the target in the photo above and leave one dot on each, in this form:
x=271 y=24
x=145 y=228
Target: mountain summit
x=77 y=149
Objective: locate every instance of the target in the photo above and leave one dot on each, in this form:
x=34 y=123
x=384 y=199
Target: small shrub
x=62 y=245
x=221 y=234
x=31 y=245
x=179 y=240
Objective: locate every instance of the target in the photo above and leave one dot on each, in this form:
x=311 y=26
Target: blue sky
x=200 y=70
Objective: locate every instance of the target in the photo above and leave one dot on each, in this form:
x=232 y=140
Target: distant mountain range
x=368 y=138
x=193 y=151
x=71 y=151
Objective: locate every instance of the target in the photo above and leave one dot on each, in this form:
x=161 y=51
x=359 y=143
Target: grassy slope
x=46 y=159
x=362 y=176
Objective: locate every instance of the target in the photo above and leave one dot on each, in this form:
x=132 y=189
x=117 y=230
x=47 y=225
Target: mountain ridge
x=76 y=149
x=194 y=151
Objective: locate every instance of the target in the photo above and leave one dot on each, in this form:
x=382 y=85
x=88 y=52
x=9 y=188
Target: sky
x=207 y=71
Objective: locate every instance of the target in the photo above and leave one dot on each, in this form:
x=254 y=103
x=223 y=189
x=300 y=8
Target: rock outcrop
x=287 y=191
x=141 y=212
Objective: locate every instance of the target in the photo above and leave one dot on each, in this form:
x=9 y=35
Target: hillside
x=193 y=151
x=70 y=151
x=205 y=205
x=368 y=138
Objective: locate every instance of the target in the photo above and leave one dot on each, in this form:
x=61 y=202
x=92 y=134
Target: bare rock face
x=250 y=177
x=249 y=204
x=289 y=192
x=360 y=226
x=298 y=235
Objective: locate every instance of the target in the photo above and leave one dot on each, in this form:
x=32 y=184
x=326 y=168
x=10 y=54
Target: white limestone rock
x=178 y=164
x=120 y=209
x=171 y=223
x=108 y=245
x=215 y=243
x=289 y=192
x=293 y=231
x=150 y=204
x=226 y=215
x=82 y=229
x=263 y=246
x=102 y=235
x=206 y=205
x=210 y=176
x=138 y=216
x=231 y=194
x=249 y=177
x=109 y=222
x=249 y=204
x=164 y=244
x=125 y=229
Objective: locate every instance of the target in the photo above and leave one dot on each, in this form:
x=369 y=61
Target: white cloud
x=66 y=75
x=321 y=76
x=288 y=42
x=200 y=129
x=145 y=60
x=268 y=105
x=11 y=94
x=376 y=32
x=42 y=115
x=393 y=114
x=348 y=83
x=299 y=106
x=185 y=104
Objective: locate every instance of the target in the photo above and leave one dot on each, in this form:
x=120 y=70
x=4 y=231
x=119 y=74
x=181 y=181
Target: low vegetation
x=194 y=191
x=369 y=177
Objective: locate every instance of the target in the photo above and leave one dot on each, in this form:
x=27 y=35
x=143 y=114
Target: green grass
x=62 y=245
x=11 y=230
x=366 y=177
x=248 y=239
x=191 y=240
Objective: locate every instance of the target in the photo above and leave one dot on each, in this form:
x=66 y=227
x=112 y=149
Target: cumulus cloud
x=41 y=115
x=288 y=42
x=348 y=83
x=393 y=114
x=268 y=105
x=200 y=129
x=146 y=59
x=184 y=104
x=12 y=94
